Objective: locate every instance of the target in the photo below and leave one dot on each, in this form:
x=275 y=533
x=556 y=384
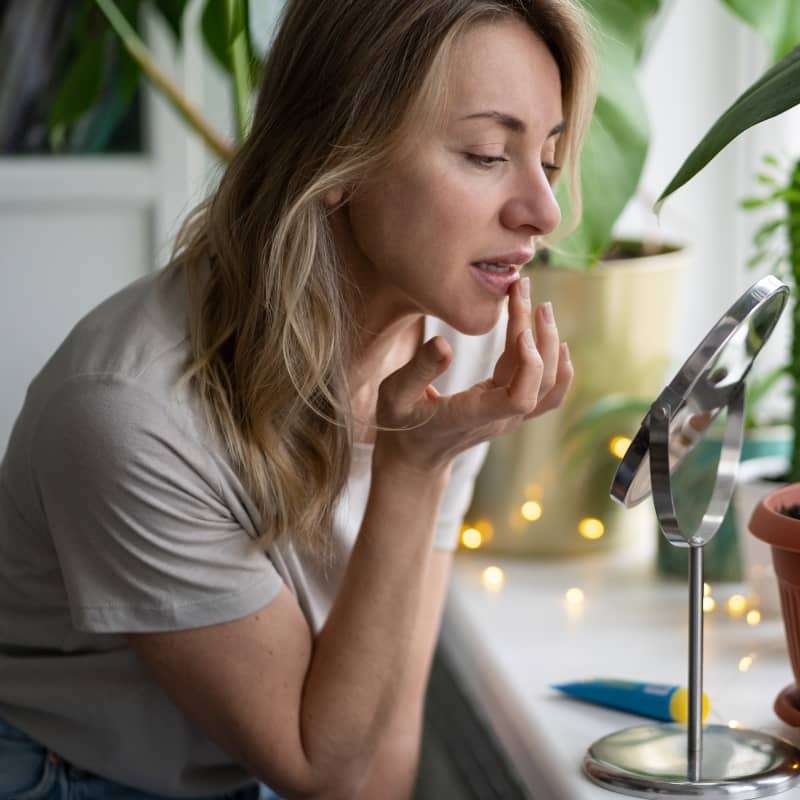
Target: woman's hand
x=528 y=380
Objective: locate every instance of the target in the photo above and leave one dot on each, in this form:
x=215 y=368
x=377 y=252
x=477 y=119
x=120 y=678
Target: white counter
x=510 y=645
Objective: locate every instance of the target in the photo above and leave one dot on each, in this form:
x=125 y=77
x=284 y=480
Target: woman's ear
x=333 y=197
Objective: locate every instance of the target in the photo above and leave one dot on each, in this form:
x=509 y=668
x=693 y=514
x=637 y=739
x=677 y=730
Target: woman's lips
x=497 y=282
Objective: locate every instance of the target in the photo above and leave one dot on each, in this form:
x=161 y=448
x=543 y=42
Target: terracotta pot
x=782 y=533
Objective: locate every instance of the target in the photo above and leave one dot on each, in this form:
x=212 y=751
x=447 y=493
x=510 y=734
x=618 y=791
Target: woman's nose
x=533 y=205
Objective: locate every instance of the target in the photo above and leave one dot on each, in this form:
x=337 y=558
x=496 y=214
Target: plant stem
x=240 y=59
x=793 y=232
x=162 y=82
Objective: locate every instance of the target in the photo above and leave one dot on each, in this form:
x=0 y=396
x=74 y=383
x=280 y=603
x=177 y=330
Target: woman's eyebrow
x=511 y=122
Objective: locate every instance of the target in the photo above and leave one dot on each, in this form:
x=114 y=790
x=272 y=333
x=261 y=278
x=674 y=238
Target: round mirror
x=704 y=403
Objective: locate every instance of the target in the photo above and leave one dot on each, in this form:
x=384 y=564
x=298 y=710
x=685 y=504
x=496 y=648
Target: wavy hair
x=271 y=320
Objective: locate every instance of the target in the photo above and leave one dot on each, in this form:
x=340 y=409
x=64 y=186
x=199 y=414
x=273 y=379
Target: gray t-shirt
x=120 y=512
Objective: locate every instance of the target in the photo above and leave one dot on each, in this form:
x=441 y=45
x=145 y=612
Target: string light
x=591 y=528
x=471 y=538
x=709 y=604
x=531 y=510
x=574 y=596
x=737 y=605
x=734 y=723
x=619 y=445
x=493 y=579
x=745 y=663
x=753 y=617
x=706 y=589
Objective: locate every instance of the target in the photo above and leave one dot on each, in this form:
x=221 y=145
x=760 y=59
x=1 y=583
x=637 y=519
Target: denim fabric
x=28 y=771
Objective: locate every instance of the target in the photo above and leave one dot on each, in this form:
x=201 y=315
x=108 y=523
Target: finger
x=564 y=377
x=404 y=387
x=519 y=396
x=548 y=344
x=519 y=318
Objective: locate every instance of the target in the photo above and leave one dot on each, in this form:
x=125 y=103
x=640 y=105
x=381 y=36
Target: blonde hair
x=271 y=323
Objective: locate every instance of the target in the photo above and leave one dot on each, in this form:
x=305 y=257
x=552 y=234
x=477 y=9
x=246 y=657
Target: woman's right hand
x=528 y=380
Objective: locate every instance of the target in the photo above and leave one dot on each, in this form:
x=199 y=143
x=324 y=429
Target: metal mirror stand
x=667 y=759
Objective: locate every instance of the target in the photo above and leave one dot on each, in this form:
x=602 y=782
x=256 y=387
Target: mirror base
x=651 y=761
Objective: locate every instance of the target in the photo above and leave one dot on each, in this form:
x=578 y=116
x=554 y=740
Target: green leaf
x=775 y=92
x=601 y=412
x=767 y=230
x=766 y=180
x=749 y=203
x=616 y=145
x=172 y=12
x=81 y=87
x=778 y=21
x=756 y=259
x=214 y=27
x=771 y=160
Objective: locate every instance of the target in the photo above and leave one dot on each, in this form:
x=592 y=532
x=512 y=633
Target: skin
x=408 y=237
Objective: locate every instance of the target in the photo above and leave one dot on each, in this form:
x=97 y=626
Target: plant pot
x=729 y=556
x=535 y=492
x=782 y=533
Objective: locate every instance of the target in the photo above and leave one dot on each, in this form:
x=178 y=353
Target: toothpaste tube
x=656 y=700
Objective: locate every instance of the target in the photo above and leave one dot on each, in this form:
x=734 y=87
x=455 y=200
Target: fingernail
x=566 y=352
x=525 y=288
x=528 y=336
x=547 y=310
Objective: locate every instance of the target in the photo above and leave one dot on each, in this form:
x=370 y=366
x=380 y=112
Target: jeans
x=29 y=771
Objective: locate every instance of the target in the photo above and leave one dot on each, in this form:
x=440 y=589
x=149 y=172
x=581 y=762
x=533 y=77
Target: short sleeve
x=134 y=507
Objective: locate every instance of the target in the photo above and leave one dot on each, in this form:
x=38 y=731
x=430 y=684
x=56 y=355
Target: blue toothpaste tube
x=656 y=700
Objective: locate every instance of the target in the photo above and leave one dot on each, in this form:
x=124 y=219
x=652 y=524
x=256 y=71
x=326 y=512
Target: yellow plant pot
x=540 y=493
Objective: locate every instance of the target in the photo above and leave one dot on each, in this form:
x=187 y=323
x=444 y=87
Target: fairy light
x=745 y=663
x=471 y=538
x=493 y=579
x=709 y=604
x=619 y=445
x=706 y=589
x=531 y=510
x=734 y=723
x=574 y=596
x=591 y=528
x=753 y=617
x=736 y=605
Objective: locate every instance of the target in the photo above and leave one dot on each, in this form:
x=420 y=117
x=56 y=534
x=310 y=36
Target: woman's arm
x=394 y=766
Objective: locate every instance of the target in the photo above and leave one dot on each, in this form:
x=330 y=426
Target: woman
x=229 y=503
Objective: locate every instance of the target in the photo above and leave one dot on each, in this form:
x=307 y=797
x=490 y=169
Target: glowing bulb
x=737 y=604
x=619 y=446
x=574 y=596
x=706 y=589
x=709 y=604
x=493 y=579
x=753 y=617
x=472 y=538
x=531 y=510
x=734 y=723
x=591 y=528
x=745 y=663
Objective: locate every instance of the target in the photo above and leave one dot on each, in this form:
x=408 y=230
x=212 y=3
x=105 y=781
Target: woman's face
x=473 y=191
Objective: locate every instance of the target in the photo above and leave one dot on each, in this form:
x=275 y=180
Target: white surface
x=511 y=645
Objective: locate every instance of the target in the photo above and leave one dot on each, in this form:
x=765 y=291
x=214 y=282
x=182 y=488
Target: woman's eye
x=485 y=162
